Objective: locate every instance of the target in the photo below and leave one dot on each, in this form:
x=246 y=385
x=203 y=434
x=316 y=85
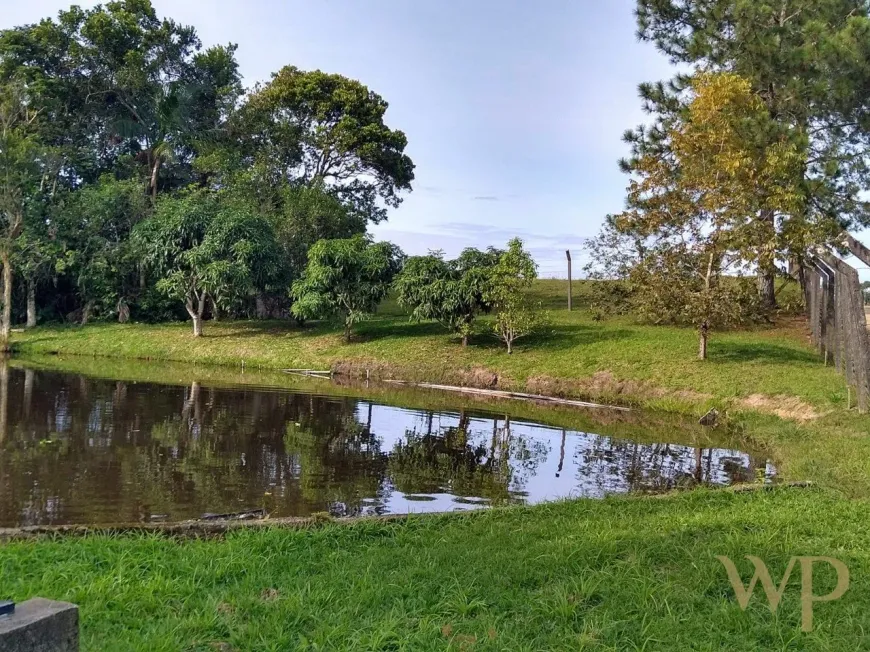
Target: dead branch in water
x=308 y=372
x=495 y=393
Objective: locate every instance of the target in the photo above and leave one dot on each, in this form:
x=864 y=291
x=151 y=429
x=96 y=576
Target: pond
x=81 y=449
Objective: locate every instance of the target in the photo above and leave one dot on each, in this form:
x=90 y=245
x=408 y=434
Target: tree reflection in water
x=615 y=466
x=77 y=449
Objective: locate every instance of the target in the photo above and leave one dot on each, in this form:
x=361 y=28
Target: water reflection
x=79 y=450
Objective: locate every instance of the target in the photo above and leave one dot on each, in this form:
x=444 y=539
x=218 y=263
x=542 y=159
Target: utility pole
x=568 y=255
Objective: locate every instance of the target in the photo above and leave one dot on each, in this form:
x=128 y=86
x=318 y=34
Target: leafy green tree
x=200 y=248
x=38 y=56
x=452 y=292
x=308 y=215
x=347 y=278
x=316 y=128
x=696 y=204
x=511 y=278
x=128 y=99
x=302 y=216
x=20 y=176
x=808 y=61
x=94 y=226
x=123 y=89
x=683 y=282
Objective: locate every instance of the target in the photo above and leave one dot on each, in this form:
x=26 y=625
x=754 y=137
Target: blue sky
x=514 y=110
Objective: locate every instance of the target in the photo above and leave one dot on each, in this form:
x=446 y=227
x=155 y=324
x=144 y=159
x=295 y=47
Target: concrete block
x=40 y=625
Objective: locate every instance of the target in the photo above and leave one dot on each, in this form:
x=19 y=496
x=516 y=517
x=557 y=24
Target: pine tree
x=809 y=61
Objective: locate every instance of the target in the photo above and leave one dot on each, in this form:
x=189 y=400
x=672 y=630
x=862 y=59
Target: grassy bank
x=616 y=359
x=778 y=394
x=619 y=574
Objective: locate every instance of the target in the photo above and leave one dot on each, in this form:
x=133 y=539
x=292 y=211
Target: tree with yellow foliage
x=702 y=203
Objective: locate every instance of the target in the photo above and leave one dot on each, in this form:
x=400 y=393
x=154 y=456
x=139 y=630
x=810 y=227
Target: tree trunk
x=31 y=304
x=767 y=263
x=123 y=311
x=6 y=318
x=86 y=312
x=767 y=288
x=195 y=306
x=262 y=311
x=465 y=340
x=155 y=173
x=347 y=331
x=510 y=345
x=703 y=332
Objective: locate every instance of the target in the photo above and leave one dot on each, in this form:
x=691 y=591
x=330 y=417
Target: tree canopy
x=324 y=129
x=346 y=278
x=114 y=117
x=696 y=207
x=201 y=249
x=451 y=292
x=807 y=63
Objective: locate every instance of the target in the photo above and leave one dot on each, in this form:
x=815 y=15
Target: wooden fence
x=835 y=310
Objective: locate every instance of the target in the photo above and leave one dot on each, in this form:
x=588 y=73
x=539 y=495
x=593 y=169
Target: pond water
x=76 y=449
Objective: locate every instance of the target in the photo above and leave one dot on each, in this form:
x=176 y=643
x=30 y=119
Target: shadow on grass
x=759 y=352
x=561 y=337
x=253 y=328
x=14 y=346
x=378 y=330
x=568 y=336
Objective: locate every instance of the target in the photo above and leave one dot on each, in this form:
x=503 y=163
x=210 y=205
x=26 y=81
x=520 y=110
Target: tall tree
x=698 y=204
x=123 y=88
x=808 y=61
x=20 y=176
x=319 y=128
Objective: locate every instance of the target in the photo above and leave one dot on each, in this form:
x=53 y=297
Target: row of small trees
x=349 y=278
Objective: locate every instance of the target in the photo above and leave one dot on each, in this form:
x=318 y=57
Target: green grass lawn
x=627 y=573
x=649 y=365
x=619 y=574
